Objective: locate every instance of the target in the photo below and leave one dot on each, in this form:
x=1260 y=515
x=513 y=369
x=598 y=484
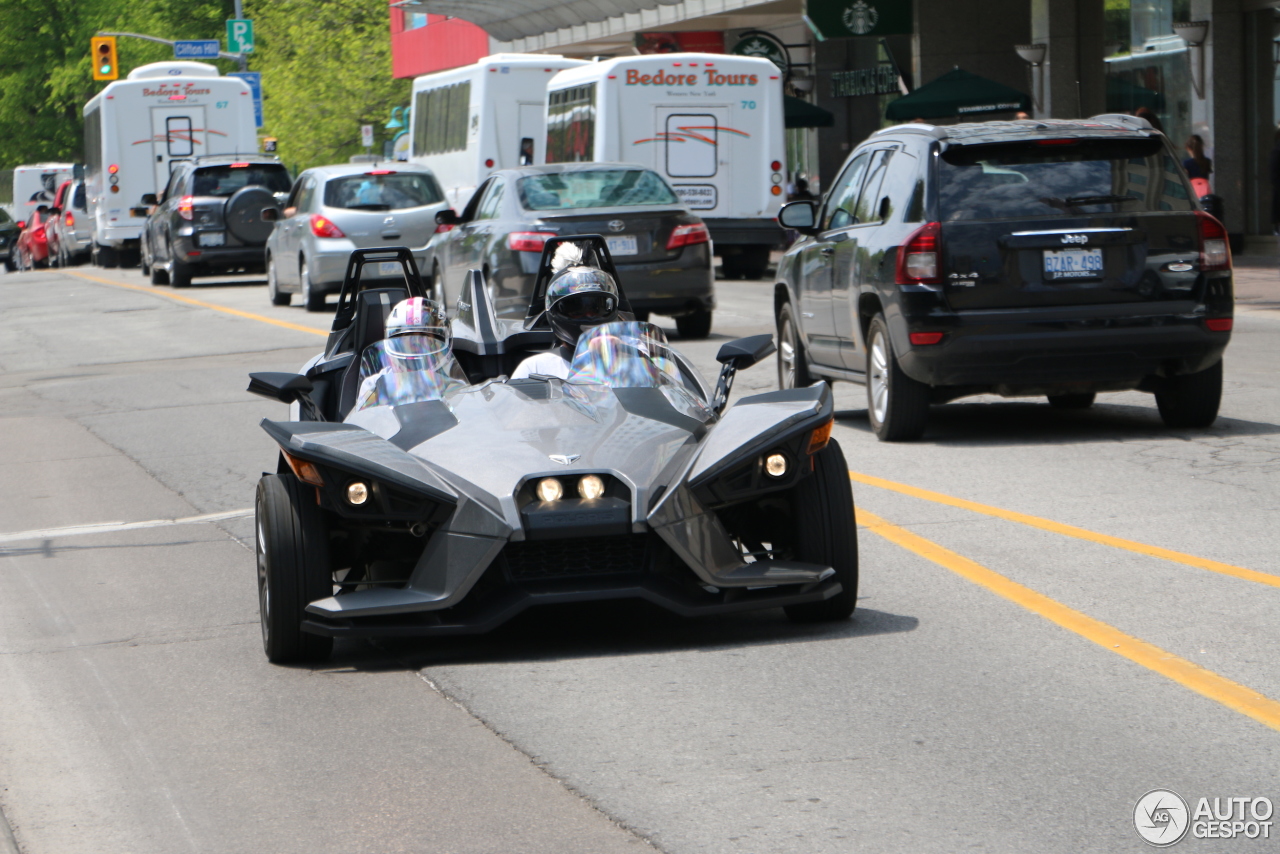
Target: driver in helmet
x=414 y=362
x=578 y=298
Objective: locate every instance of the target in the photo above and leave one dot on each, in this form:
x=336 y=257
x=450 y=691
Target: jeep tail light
x=69 y=218
x=1215 y=251
x=918 y=257
x=924 y=339
x=322 y=227
x=527 y=241
x=186 y=207
x=1219 y=324
x=688 y=235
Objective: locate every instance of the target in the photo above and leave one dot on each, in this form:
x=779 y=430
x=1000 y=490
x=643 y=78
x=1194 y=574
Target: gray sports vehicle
x=486 y=496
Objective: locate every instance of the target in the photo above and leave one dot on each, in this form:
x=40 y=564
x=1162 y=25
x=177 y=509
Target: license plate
x=213 y=238
x=390 y=268
x=622 y=244
x=1072 y=264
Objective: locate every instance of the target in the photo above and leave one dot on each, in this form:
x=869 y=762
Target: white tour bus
x=468 y=121
x=36 y=184
x=135 y=129
x=711 y=124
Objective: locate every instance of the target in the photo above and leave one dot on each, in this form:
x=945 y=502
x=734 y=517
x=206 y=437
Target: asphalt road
x=1059 y=612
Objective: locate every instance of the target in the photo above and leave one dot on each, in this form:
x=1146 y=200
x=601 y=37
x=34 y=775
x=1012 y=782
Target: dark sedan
x=662 y=252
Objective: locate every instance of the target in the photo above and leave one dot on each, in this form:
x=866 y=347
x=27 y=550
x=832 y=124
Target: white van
x=136 y=129
x=36 y=184
x=710 y=123
x=466 y=122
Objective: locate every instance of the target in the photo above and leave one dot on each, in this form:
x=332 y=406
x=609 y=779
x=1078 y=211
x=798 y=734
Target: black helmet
x=579 y=297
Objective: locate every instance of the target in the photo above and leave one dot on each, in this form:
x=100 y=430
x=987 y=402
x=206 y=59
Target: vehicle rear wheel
x=107 y=257
x=293 y=568
x=179 y=272
x=826 y=533
x=159 y=275
x=793 y=367
x=755 y=262
x=1191 y=400
x=897 y=405
x=273 y=285
x=696 y=325
x=144 y=262
x=1072 y=401
x=312 y=297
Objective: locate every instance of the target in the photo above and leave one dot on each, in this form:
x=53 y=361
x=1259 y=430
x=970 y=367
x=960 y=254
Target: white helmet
x=423 y=320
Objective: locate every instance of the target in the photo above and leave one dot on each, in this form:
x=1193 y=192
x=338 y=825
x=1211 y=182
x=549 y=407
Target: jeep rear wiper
x=369 y=207
x=1075 y=201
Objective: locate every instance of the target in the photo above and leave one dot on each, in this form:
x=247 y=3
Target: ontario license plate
x=389 y=268
x=213 y=238
x=622 y=244
x=1072 y=264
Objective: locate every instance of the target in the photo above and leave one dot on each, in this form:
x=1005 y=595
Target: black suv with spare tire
x=208 y=219
x=1025 y=258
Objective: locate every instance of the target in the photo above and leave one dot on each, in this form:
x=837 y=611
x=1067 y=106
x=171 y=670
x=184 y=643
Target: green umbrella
x=801 y=114
x=957 y=93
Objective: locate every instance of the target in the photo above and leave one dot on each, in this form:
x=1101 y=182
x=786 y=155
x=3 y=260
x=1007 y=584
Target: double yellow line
x=1208 y=684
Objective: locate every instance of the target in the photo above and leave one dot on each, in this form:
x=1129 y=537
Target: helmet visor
x=592 y=305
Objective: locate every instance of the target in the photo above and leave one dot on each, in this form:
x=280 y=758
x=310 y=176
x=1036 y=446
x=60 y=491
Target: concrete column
x=1075 y=84
x=977 y=35
x=1220 y=117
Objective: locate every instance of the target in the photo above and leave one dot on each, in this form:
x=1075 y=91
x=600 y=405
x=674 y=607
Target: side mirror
x=801 y=215
x=149 y=199
x=283 y=387
x=447 y=217
x=745 y=352
x=270 y=214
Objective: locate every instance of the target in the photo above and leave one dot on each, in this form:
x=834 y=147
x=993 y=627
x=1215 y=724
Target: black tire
x=179 y=272
x=732 y=266
x=897 y=405
x=1072 y=401
x=696 y=325
x=827 y=533
x=312 y=297
x=754 y=262
x=793 y=365
x=107 y=257
x=293 y=568
x=159 y=275
x=1191 y=400
x=277 y=296
x=242 y=214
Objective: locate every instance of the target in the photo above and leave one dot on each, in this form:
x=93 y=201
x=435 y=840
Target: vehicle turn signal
x=186 y=207
x=688 y=235
x=919 y=255
x=527 y=241
x=820 y=436
x=1215 y=251
x=306 y=472
x=322 y=227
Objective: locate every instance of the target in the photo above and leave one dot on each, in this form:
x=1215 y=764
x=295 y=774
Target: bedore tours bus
x=711 y=124
x=136 y=129
x=468 y=121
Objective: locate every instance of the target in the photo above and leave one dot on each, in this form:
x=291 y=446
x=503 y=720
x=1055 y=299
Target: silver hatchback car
x=333 y=210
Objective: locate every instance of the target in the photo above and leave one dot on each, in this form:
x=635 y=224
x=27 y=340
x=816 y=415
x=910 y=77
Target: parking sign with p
x=239 y=35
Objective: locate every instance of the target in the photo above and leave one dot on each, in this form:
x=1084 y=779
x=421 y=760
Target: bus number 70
x=748 y=105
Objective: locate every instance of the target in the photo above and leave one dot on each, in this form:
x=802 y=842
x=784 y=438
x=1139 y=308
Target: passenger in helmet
x=414 y=362
x=578 y=298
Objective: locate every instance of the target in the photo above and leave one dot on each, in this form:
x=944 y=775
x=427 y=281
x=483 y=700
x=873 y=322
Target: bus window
x=526 y=151
x=180 y=138
x=571 y=124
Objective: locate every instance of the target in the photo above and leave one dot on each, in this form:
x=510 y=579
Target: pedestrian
x=1275 y=182
x=802 y=192
x=1198 y=167
x=1151 y=117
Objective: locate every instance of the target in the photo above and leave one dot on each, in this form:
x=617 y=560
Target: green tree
x=326 y=70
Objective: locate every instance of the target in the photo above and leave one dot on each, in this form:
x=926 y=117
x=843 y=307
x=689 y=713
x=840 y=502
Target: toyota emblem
x=617 y=225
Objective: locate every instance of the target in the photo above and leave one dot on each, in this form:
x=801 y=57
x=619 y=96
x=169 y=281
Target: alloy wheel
x=878 y=381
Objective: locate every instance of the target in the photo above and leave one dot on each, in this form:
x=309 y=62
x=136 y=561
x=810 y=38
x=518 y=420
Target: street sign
x=239 y=35
x=366 y=136
x=196 y=49
x=269 y=144
x=254 y=79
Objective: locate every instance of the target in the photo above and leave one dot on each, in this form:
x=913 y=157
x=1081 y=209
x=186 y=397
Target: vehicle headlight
x=775 y=465
x=357 y=493
x=591 y=486
x=549 y=489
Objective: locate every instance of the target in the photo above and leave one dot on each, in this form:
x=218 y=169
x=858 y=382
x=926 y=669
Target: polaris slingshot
x=630 y=479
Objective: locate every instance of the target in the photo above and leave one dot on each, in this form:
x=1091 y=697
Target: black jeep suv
x=208 y=219
x=1042 y=257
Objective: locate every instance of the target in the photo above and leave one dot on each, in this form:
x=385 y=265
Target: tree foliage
x=326 y=68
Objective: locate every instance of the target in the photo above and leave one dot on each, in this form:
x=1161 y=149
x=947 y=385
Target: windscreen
x=407 y=369
x=596 y=188
x=1052 y=177
x=633 y=354
x=227 y=180
x=382 y=192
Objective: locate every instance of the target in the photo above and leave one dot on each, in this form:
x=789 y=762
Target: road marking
x=262 y=318
x=111 y=527
x=1072 y=531
x=1204 y=682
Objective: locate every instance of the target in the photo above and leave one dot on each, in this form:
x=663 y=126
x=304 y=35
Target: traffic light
x=103 y=51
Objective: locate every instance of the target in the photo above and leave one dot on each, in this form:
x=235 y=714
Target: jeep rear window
x=1037 y=178
x=389 y=191
x=226 y=180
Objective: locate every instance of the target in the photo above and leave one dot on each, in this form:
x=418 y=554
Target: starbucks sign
x=765 y=46
x=834 y=19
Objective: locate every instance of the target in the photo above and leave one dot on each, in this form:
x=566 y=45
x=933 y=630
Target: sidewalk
x=1257 y=280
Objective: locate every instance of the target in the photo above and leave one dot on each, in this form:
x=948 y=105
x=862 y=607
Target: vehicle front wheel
x=312 y=297
x=1072 y=401
x=827 y=533
x=897 y=405
x=793 y=367
x=696 y=325
x=1191 y=400
x=293 y=568
x=273 y=285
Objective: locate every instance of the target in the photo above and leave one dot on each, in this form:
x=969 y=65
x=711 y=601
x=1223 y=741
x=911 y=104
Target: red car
x=33 y=245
